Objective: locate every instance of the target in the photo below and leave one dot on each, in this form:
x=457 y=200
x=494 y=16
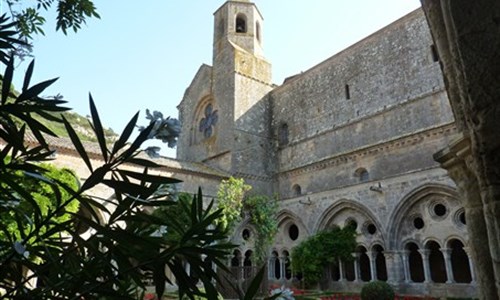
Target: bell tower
x=240 y=23
x=224 y=112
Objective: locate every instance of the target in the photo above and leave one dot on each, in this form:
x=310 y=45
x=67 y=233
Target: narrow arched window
x=241 y=23
x=297 y=190
x=257 y=31
x=362 y=174
x=283 y=134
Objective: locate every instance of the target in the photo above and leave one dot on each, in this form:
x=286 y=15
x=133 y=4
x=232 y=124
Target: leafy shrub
x=377 y=290
x=311 y=256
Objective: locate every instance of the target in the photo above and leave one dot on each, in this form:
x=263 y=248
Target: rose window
x=209 y=121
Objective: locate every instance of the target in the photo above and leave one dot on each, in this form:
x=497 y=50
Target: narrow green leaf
x=27 y=76
x=148 y=177
x=34 y=124
x=78 y=144
x=7 y=79
x=49 y=116
x=14 y=138
x=200 y=204
x=159 y=279
x=35 y=90
x=130 y=188
x=253 y=289
x=96 y=177
x=125 y=134
x=143 y=162
x=99 y=132
x=209 y=208
x=139 y=140
x=91 y=205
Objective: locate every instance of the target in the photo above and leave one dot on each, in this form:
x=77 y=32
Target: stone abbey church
x=349 y=141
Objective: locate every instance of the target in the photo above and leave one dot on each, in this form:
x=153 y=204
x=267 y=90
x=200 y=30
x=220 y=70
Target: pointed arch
x=285 y=215
x=344 y=204
x=408 y=201
x=291 y=227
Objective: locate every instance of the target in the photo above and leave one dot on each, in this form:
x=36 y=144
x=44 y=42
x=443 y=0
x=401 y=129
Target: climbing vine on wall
x=262 y=211
x=312 y=255
x=230 y=197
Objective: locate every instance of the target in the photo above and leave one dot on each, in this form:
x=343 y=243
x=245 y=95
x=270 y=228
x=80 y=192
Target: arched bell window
x=241 y=23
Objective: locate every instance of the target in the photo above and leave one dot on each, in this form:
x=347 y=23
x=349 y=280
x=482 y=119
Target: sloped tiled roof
x=64 y=145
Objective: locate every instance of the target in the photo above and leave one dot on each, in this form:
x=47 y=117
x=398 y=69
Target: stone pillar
x=467 y=38
x=270 y=268
x=471 y=266
x=356 y=267
x=282 y=269
x=450 y=278
x=373 y=266
x=406 y=265
x=425 y=261
x=455 y=159
x=341 y=271
x=392 y=266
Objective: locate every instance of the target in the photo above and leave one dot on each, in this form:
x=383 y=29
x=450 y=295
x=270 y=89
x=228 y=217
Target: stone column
x=341 y=271
x=406 y=265
x=450 y=278
x=373 y=266
x=282 y=268
x=471 y=266
x=425 y=261
x=356 y=267
x=455 y=160
x=270 y=268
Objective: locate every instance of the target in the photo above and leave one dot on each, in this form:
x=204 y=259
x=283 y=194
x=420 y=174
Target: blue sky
x=140 y=56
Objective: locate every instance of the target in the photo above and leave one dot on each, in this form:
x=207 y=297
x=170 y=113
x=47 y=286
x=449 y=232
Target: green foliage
x=173 y=215
x=377 y=290
x=263 y=211
x=71 y=14
x=43 y=194
x=230 y=197
x=109 y=262
x=9 y=41
x=312 y=255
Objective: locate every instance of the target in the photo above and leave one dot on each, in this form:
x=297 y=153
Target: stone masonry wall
x=395 y=88
x=396 y=158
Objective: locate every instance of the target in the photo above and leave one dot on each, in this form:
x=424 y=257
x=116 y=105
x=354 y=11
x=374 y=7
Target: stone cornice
x=253 y=176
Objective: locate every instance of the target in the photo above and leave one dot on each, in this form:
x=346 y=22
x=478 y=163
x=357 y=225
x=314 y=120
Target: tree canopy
x=71 y=15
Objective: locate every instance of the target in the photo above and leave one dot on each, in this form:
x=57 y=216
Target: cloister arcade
x=424 y=241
